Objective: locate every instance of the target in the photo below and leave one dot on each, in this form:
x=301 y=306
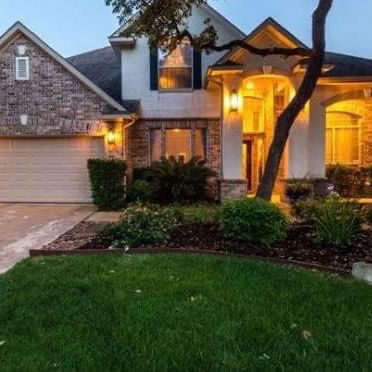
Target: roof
x=102 y=67
x=18 y=27
x=348 y=66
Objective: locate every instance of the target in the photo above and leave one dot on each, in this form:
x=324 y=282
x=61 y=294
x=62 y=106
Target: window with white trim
x=22 y=68
x=343 y=138
x=176 y=68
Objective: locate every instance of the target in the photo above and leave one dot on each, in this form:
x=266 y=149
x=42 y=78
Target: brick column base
x=233 y=189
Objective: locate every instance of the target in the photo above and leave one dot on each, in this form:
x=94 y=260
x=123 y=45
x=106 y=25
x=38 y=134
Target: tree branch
x=264 y=52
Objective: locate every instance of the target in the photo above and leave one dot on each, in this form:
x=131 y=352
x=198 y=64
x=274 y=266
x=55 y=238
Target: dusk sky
x=76 y=26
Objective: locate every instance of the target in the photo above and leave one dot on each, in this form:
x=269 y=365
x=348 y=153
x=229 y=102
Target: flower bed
x=300 y=246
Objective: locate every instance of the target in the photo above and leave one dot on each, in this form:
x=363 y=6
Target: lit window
x=176 y=68
x=22 y=68
x=178 y=144
x=342 y=138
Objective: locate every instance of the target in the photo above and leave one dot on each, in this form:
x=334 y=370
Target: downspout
x=123 y=136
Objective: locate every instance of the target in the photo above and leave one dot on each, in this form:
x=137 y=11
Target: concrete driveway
x=31 y=226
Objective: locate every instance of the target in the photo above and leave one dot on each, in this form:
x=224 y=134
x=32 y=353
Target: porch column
x=233 y=183
x=298 y=166
x=317 y=140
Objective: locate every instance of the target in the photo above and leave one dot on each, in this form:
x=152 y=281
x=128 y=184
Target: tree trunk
x=304 y=93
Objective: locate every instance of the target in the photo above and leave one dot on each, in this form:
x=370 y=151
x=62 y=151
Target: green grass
x=180 y=313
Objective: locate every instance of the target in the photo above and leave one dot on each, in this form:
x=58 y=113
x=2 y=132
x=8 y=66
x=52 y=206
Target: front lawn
x=180 y=313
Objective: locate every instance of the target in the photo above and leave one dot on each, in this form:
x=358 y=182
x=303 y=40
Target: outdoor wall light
x=111 y=137
x=267 y=69
x=234 y=101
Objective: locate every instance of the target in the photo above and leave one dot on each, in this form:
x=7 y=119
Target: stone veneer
x=56 y=102
x=138 y=139
x=233 y=189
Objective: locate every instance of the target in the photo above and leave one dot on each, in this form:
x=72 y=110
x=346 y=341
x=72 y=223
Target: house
x=131 y=102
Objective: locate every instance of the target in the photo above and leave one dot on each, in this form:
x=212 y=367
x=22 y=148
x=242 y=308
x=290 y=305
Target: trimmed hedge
x=254 y=221
x=107 y=183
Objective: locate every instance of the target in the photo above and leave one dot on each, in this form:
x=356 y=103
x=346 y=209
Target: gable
x=19 y=31
x=268 y=34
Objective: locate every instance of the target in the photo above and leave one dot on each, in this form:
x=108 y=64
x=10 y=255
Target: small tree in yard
x=163 y=23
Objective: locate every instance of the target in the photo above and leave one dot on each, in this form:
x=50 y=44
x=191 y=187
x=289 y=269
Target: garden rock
x=363 y=271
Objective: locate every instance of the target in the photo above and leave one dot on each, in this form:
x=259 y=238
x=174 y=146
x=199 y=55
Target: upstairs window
x=343 y=139
x=176 y=68
x=22 y=68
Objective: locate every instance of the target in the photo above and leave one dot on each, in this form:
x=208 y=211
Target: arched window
x=176 y=68
x=343 y=138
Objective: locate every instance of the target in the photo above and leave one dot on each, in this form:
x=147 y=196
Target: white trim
x=26 y=71
x=19 y=27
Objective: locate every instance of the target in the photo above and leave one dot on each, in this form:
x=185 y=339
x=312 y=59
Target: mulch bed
x=300 y=246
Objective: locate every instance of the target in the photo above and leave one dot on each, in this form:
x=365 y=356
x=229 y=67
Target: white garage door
x=47 y=170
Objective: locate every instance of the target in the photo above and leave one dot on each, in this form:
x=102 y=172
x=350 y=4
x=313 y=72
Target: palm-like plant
x=178 y=181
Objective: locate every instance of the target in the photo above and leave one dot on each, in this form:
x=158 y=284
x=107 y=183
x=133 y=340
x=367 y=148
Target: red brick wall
x=54 y=99
x=138 y=139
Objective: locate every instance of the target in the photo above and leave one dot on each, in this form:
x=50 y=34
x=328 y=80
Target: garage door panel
x=47 y=170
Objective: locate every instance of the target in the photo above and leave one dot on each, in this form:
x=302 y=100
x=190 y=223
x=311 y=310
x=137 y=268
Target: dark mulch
x=301 y=244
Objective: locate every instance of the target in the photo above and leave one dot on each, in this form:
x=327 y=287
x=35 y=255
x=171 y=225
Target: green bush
x=306 y=209
x=199 y=213
x=141 y=191
x=107 y=183
x=254 y=221
x=298 y=189
x=142 y=224
x=337 y=222
x=177 y=181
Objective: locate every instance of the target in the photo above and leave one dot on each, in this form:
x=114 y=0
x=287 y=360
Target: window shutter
x=197 y=69
x=154 y=74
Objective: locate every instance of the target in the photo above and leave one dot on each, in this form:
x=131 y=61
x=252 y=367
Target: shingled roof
x=102 y=67
x=346 y=65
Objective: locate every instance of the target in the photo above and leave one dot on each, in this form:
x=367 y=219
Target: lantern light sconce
x=367 y=92
x=234 y=101
x=111 y=137
x=24 y=119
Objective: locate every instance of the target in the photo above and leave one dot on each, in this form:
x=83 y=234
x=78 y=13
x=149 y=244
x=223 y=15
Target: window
x=179 y=143
x=22 y=68
x=176 y=68
x=342 y=138
x=201 y=144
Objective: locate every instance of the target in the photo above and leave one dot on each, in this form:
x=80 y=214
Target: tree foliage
x=164 y=23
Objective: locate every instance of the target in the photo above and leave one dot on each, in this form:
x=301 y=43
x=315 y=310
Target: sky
x=76 y=26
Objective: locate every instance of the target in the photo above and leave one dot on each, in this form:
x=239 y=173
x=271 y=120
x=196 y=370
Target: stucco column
x=232 y=136
x=317 y=139
x=234 y=185
x=298 y=166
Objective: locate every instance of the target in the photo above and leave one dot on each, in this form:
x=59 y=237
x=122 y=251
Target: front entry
x=253 y=160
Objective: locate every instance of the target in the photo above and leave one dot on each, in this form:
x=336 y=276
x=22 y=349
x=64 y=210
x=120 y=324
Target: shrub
x=107 y=183
x=337 y=222
x=177 y=181
x=200 y=213
x=367 y=213
x=254 y=221
x=298 y=189
x=142 y=224
x=306 y=209
x=141 y=191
